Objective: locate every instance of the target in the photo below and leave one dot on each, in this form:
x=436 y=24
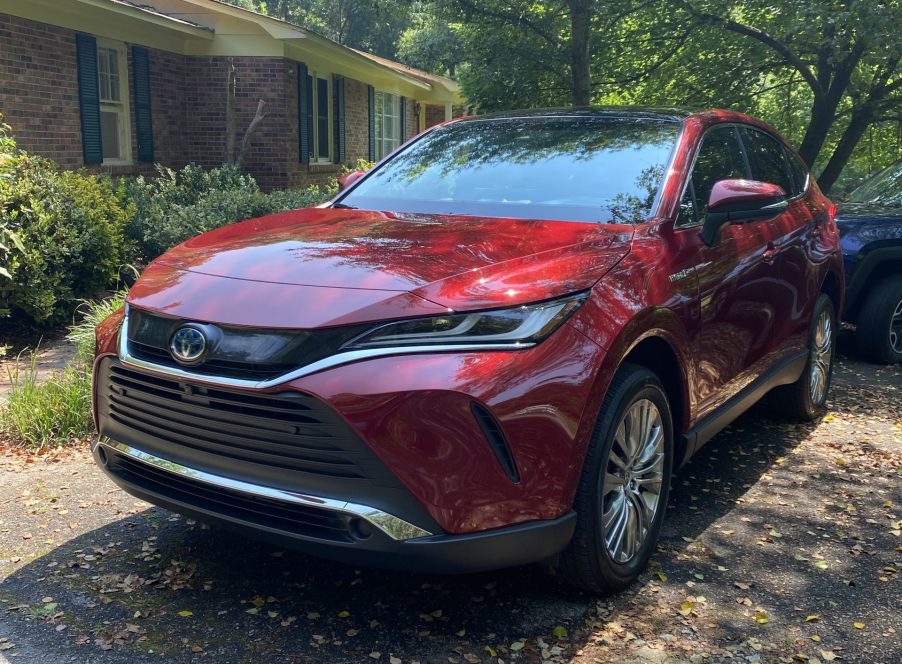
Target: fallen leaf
x=560 y=632
x=858 y=625
x=761 y=618
x=813 y=617
x=186 y=614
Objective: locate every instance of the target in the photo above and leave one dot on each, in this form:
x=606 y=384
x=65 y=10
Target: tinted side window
x=719 y=158
x=799 y=173
x=767 y=159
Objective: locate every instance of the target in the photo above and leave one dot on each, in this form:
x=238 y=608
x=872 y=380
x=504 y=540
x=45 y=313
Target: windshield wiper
x=343 y=206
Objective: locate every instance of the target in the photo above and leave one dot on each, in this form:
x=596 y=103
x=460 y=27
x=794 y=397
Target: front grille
x=210 y=367
x=273 y=437
x=236 y=352
x=266 y=512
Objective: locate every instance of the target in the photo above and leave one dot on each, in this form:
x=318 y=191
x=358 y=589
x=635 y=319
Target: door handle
x=770 y=254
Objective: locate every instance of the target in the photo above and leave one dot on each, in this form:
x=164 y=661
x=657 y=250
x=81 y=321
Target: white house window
x=112 y=74
x=320 y=87
x=388 y=123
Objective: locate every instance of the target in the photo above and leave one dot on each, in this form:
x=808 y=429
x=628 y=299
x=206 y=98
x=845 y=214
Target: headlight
x=526 y=325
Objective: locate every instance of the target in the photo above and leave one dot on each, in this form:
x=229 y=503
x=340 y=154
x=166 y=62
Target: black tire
x=587 y=562
x=795 y=401
x=880 y=322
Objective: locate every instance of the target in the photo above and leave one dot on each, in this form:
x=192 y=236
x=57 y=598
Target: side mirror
x=739 y=202
x=348 y=179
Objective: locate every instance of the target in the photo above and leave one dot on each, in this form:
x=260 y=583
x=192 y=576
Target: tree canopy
x=826 y=73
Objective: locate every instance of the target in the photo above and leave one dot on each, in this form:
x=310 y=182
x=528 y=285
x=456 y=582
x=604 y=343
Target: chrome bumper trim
x=320 y=365
x=393 y=526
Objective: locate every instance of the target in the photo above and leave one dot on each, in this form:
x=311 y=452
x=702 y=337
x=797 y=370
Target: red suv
x=492 y=349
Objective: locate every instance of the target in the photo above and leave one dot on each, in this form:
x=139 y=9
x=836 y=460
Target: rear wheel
x=805 y=399
x=624 y=486
x=879 y=333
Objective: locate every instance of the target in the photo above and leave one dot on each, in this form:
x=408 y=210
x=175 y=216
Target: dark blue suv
x=871 y=227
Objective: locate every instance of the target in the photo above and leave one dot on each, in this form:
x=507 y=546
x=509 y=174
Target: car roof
x=706 y=117
x=646 y=112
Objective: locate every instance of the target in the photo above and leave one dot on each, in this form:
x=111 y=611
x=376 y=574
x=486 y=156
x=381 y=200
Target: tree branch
x=474 y=8
x=762 y=37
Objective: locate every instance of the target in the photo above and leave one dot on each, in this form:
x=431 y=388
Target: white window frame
x=121 y=107
x=386 y=144
x=314 y=92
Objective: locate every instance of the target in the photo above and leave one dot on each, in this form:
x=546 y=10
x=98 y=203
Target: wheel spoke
x=616 y=533
x=611 y=482
x=633 y=480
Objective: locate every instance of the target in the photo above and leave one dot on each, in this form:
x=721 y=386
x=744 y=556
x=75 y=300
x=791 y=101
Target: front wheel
x=624 y=487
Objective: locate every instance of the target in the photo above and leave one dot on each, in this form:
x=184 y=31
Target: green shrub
x=47 y=414
x=177 y=205
x=69 y=235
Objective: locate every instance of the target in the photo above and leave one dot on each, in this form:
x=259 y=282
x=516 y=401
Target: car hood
x=320 y=267
x=858 y=212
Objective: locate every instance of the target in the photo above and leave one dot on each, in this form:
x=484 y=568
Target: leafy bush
x=177 y=205
x=46 y=414
x=66 y=230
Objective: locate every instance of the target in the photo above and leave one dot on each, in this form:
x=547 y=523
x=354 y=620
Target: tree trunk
x=853 y=134
x=231 y=125
x=822 y=117
x=581 y=81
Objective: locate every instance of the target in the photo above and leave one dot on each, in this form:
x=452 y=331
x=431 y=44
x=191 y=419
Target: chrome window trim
x=736 y=126
x=395 y=527
x=320 y=365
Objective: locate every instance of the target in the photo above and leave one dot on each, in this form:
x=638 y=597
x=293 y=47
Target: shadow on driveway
x=760 y=506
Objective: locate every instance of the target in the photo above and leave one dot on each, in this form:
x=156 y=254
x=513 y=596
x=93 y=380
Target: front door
x=738 y=305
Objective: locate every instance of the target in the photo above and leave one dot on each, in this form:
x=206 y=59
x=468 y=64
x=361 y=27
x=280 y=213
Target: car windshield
x=595 y=169
x=885 y=188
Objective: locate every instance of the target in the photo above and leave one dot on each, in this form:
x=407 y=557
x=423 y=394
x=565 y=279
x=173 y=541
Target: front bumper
x=339 y=530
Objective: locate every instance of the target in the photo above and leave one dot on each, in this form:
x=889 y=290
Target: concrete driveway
x=782 y=544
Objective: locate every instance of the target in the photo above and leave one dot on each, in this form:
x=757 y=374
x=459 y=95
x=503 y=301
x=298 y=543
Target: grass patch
x=47 y=414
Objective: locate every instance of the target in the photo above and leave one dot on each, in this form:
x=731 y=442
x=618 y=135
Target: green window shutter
x=89 y=97
x=305 y=103
x=371 y=93
x=340 y=119
x=403 y=119
x=143 y=118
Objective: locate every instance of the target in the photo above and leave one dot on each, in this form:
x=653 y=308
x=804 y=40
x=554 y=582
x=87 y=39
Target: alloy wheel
x=895 y=328
x=633 y=480
x=821 y=358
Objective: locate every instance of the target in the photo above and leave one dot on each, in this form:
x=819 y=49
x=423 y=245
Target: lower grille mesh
x=289 y=431
x=267 y=512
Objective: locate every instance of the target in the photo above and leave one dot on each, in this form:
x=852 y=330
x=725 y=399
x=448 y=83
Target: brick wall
x=39 y=99
x=411 y=129
x=357 y=126
x=38 y=90
x=274 y=140
x=167 y=87
x=435 y=114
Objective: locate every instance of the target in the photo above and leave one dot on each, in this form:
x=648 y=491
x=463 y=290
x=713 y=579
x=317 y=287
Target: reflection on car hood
x=317 y=267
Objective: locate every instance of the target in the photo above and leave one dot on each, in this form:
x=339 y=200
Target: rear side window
x=767 y=159
x=799 y=173
x=719 y=158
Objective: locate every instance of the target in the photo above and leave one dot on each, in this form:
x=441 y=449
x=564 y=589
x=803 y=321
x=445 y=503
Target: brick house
x=118 y=85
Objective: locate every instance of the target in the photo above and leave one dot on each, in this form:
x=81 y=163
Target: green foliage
x=42 y=414
x=369 y=25
x=433 y=42
x=48 y=414
x=177 y=205
x=65 y=232
x=826 y=73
